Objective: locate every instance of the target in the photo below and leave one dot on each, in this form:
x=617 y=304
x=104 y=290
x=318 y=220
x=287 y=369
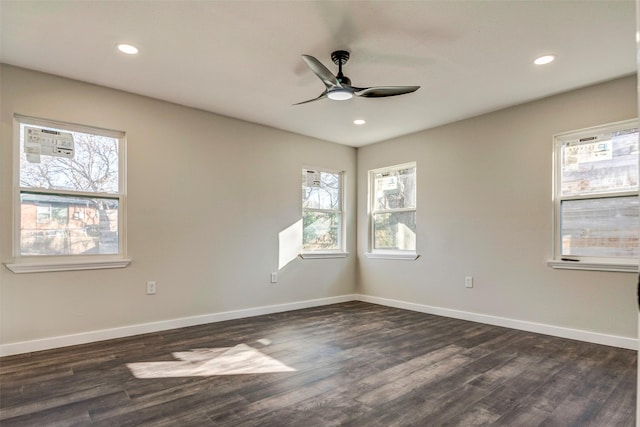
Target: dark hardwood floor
x=354 y=364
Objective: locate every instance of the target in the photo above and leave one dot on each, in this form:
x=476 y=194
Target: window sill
x=48 y=266
x=323 y=255
x=594 y=266
x=410 y=256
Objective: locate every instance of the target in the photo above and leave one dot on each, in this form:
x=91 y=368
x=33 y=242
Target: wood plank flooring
x=354 y=364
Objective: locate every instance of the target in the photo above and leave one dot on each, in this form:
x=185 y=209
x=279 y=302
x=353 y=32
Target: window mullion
x=382 y=211
x=599 y=196
x=29 y=190
x=322 y=210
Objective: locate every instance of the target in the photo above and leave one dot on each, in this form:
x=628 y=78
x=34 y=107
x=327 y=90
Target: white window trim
x=605 y=265
x=387 y=253
x=323 y=255
x=340 y=252
x=37 y=264
x=562 y=262
x=401 y=255
x=43 y=266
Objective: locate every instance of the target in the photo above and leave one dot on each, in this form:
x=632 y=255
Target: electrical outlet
x=151 y=288
x=274 y=277
x=468 y=282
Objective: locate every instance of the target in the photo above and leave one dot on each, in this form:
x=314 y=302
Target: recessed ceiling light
x=359 y=122
x=545 y=59
x=129 y=49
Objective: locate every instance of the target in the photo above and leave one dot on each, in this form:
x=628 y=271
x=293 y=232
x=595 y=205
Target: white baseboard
x=126 y=331
x=540 y=328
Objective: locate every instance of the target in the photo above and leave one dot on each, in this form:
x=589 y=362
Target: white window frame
x=340 y=252
x=47 y=263
x=560 y=261
x=398 y=254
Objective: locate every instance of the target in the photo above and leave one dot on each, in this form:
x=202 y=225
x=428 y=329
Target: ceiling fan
x=339 y=87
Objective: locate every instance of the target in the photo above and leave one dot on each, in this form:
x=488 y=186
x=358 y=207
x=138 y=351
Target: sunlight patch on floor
x=241 y=359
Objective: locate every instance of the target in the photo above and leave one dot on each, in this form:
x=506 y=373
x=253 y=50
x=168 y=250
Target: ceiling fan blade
x=321 y=71
x=323 y=95
x=382 y=91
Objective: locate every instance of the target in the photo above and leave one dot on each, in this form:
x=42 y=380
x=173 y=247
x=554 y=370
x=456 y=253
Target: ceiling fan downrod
x=340 y=57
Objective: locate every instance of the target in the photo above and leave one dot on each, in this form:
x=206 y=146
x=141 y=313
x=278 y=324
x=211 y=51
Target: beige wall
x=485 y=210
x=212 y=258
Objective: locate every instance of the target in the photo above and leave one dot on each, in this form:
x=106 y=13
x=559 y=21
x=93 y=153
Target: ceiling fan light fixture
x=340 y=94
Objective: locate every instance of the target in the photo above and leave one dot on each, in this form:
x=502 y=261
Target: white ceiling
x=242 y=58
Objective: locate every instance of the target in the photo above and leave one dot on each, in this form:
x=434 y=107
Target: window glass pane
x=395 y=189
x=605 y=227
x=321 y=230
x=320 y=190
x=604 y=166
x=395 y=230
x=63 y=160
x=74 y=225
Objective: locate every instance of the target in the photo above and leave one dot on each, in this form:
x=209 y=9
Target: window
x=322 y=212
x=392 y=194
x=596 y=198
x=70 y=196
